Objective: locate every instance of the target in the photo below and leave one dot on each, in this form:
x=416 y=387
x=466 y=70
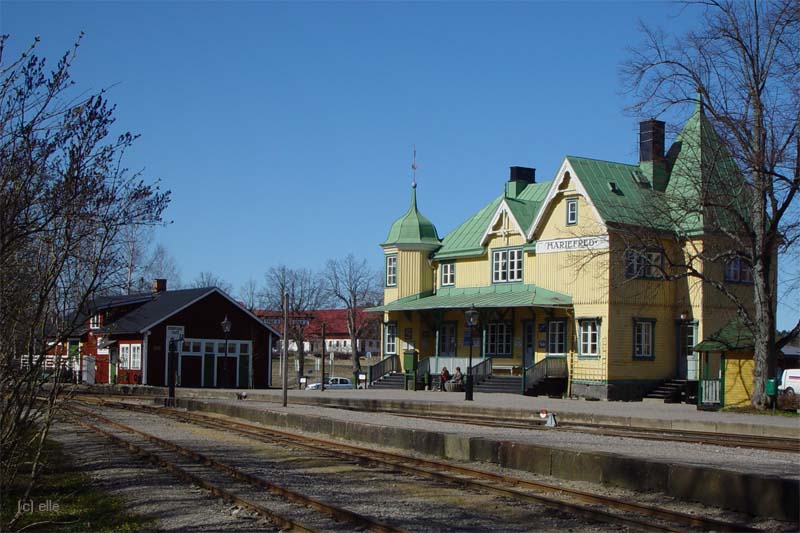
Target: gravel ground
x=749 y=460
x=150 y=491
x=414 y=503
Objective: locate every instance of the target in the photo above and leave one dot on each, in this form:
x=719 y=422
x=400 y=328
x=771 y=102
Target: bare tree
x=354 y=285
x=209 y=279
x=65 y=200
x=306 y=291
x=161 y=264
x=249 y=294
x=135 y=241
x=743 y=65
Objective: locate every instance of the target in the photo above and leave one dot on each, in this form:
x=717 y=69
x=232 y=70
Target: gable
x=566 y=185
x=503 y=224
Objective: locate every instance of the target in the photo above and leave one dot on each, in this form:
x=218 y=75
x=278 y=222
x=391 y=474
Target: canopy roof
x=481 y=297
x=734 y=336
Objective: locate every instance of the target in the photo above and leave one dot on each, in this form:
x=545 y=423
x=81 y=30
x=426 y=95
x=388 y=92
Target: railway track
x=336 y=513
x=692 y=437
x=585 y=504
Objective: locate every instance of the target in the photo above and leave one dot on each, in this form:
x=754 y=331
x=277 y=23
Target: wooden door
x=191 y=371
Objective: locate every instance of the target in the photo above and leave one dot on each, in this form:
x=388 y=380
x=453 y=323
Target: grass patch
x=80 y=505
x=750 y=410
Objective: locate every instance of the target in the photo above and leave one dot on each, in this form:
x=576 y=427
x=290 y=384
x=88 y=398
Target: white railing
x=710 y=391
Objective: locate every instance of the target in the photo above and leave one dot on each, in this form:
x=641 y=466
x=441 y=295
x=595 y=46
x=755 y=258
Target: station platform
x=756 y=482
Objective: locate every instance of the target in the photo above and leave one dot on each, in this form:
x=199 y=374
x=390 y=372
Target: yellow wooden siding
x=554 y=221
x=414 y=274
x=738 y=379
x=583 y=275
x=586 y=368
x=621 y=364
x=472 y=272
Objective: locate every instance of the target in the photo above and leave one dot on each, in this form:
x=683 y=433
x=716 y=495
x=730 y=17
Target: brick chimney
x=518 y=179
x=159 y=285
x=652 y=162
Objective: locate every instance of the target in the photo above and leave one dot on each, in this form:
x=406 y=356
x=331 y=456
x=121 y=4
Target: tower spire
x=414 y=168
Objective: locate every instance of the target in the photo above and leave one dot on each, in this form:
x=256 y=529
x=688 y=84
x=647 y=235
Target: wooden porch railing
x=482 y=371
x=549 y=367
x=381 y=368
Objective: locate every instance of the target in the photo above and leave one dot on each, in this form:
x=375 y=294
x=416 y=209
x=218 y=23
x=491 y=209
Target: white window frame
x=390 y=338
x=94 y=322
x=507 y=265
x=557 y=337
x=644 y=339
x=589 y=337
x=135 y=362
x=448 y=274
x=391 y=270
x=124 y=356
x=643 y=264
x=572 y=211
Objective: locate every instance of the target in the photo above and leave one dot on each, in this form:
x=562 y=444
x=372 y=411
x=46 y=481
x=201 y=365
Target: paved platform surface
x=641 y=410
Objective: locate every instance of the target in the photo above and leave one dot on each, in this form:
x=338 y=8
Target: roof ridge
x=636 y=165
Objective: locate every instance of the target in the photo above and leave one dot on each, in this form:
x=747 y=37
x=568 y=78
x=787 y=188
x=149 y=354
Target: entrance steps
x=389 y=381
x=669 y=391
x=500 y=384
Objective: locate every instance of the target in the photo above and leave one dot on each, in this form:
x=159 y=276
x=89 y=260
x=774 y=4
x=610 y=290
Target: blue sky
x=285 y=130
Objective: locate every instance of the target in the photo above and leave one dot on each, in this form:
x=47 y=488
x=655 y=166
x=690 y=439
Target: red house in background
x=126 y=340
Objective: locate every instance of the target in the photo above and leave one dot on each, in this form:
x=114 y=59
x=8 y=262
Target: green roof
x=618 y=191
x=412 y=228
x=512 y=295
x=465 y=240
x=734 y=336
x=703 y=172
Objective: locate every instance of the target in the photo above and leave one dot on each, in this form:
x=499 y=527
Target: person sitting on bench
x=458 y=378
x=444 y=377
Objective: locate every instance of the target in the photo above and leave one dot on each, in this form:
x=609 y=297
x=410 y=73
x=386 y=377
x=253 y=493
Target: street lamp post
x=471 y=317
x=226 y=328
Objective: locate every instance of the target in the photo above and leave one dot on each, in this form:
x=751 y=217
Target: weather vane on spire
x=414 y=169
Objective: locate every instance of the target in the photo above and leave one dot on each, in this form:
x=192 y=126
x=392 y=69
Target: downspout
x=144 y=356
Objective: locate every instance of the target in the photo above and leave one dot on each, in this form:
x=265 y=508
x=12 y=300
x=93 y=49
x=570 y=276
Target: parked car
x=790 y=382
x=333 y=383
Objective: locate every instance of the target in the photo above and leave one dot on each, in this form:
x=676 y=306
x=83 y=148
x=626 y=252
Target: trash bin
x=772 y=387
x=410 y=381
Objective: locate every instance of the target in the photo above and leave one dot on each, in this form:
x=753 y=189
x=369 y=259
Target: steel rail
x=337 y=513
x=440 y=469
x=181 y=473
x=786 y=444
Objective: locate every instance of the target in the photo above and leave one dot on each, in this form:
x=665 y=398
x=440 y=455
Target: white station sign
x=597 y=242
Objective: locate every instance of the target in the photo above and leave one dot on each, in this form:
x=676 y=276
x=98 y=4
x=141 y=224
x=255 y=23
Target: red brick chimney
x=159 y=285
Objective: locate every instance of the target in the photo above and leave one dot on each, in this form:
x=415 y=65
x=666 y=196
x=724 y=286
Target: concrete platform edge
x=765 y=496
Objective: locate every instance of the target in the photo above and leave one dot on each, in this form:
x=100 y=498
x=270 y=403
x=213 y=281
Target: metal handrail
x=386 y=365
x=482 y=371
x=549 y=367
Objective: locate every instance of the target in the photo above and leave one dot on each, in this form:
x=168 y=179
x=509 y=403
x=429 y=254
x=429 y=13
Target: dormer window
x=94 y=322
x=572 y=212
x=448 y=274
x=391 y=271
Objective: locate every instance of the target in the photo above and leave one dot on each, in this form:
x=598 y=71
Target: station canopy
x=480 y=297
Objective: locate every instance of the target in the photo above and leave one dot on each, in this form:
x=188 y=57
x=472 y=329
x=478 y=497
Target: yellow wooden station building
x=568 y=302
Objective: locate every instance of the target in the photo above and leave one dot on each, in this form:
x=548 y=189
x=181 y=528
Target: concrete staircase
x=669 y=391
x=389 y=381
x=501 y=384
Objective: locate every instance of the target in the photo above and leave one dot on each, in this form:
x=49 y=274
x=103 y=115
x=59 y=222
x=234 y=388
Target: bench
x=513 y=370
x=454 y=387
